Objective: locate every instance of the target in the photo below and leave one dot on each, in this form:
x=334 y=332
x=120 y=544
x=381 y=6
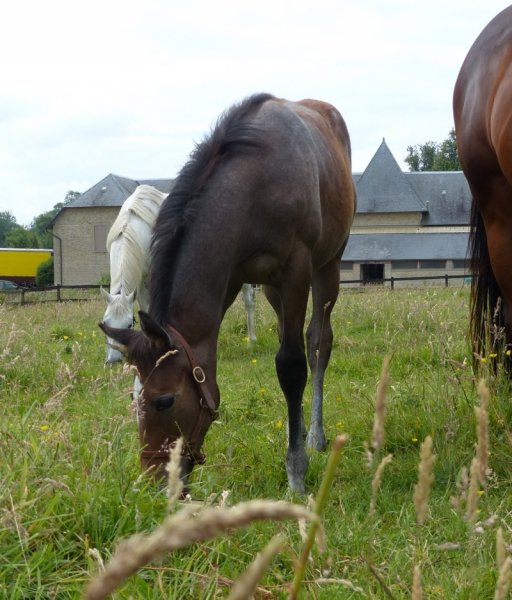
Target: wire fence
x=79 y=293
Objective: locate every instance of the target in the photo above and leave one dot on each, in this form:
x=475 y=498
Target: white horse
x=128 y=244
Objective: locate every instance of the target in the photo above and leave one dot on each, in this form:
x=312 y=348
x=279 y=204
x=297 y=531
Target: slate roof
x=113 y=190
x=380 y=247
x=446 y=195
x=443 y=197
x=382 y=187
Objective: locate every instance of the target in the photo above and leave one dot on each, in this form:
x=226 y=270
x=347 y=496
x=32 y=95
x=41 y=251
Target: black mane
x=231 y=135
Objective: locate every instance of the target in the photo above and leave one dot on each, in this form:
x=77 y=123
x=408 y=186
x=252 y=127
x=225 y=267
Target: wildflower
x=508 y=352
x=246 y=338
x=483 y=360
x=44 y=427
x=339 y=425
x=414 y=439
x=65 y=337
x=263 y=391
x=279 y=424
x=254 y=361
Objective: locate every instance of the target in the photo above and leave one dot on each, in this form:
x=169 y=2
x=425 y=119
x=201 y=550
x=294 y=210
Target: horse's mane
x=143 y=204
x=231 y=136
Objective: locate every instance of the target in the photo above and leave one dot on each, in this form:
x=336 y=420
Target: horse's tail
x=486 y=311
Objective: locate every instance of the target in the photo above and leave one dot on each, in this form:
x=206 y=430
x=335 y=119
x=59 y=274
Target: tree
x=432 y=156
x=21 y=237
x=7 y=223
x=44 y=275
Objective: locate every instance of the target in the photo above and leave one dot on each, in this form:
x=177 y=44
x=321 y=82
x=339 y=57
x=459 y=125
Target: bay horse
x=482 y=106
x=128 y=245
x=267 y=198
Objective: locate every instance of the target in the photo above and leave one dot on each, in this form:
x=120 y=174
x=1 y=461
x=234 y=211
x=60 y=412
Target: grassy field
x=70 y=484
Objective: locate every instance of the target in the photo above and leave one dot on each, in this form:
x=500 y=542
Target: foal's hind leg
x=326 y=284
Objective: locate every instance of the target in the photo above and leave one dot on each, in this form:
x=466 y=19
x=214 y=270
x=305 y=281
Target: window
x=347 y=265
x=404 y=265
x=100 y=238
x=433 y=264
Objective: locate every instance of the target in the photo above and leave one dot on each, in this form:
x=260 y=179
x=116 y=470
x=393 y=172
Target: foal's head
x=174 y=401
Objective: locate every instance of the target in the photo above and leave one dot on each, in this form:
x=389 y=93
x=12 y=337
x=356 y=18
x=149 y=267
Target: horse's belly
x=262 y=268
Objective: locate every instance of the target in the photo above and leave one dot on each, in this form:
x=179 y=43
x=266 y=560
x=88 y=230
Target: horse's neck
x=129 y=259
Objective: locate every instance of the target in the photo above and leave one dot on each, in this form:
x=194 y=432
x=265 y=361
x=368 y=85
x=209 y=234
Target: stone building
x=406 y=225
x=80 y=229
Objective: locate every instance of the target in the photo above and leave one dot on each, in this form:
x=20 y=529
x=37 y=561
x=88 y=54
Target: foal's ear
x=156 y=334
x=121 y=336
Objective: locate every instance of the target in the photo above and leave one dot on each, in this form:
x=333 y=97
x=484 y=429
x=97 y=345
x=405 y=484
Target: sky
x=126 y=87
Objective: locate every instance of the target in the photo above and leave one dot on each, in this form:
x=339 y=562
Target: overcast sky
x=125 y=87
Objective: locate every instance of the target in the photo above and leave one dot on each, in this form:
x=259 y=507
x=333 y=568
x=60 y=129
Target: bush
x=44 y=274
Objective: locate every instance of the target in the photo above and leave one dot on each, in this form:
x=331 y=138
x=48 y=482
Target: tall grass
x=71 y=489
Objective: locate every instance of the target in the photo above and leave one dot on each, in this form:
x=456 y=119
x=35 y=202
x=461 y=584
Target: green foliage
x=432 y=156
x=7 y=223
x=44 y=275
x=71 y=483
x=104 y=280
x=38 y=234
x=21 y=237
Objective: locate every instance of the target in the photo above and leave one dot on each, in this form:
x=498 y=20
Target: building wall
x=79 y=259
x=353 y=271
x=405 y=219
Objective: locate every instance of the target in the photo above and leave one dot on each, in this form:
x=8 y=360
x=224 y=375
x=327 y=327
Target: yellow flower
x=414 y=439
x=44 y=427
x=483 y=360
x=508 y=352
x=481 y=492
x=493 y=355
x=246 y=338
x=254 y=361
x=65 y=337
x=263 y=391
x=339 y=425
x=279 y=424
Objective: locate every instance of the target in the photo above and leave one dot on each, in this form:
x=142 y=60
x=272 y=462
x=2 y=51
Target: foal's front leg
x=292 y=372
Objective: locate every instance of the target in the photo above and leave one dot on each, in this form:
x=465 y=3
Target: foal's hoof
x=296 y=467
x=316 y=441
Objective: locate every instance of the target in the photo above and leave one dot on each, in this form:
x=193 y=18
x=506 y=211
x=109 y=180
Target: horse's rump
x=482 y=106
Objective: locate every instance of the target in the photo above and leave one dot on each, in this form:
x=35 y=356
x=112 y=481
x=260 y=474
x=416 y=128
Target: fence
x=62 y=293
x=50 y=293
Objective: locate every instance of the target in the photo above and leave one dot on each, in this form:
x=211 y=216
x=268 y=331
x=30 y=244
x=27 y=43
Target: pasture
x=70 y=480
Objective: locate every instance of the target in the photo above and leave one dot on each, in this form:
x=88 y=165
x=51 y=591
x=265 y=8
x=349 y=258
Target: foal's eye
x=164 y=402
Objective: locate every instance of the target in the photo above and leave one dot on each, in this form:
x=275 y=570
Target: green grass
x=70 y=478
